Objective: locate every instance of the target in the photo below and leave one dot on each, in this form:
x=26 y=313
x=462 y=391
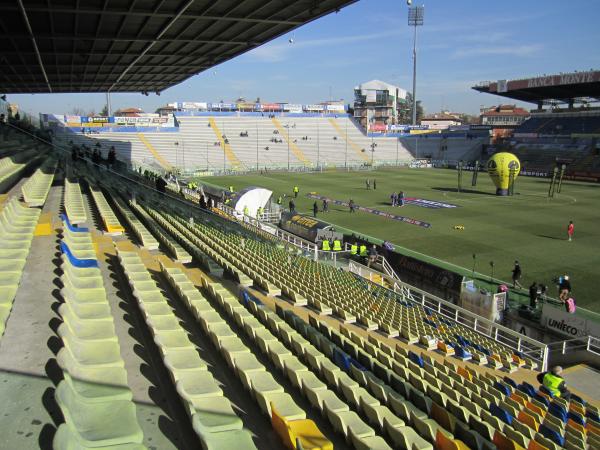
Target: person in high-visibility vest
x=246 y=211
x=260 y=211
x=279 y=200
x=325 y=245
x=231 y=189
x=337 y=245
x=354 y=249
x=296 y=190
x=364 y=252
x=555 y=383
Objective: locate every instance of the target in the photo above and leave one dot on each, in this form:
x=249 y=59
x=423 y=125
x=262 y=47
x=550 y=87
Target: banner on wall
x=572 y=325
x=378 y=127
x=336 y=108
x=314 y=107
x=292 y=107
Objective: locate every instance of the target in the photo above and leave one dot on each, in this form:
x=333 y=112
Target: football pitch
x=529 y=226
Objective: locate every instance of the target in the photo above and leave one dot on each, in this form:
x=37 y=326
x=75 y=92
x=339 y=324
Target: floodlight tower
x=415 y=19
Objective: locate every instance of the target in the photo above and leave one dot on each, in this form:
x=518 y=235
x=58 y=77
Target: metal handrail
x=587 y=343
x=510 y=338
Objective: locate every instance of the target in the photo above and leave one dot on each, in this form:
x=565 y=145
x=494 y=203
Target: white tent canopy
x=253 y=198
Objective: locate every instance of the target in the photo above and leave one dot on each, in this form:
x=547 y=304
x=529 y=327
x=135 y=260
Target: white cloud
x=280 y=51
x=507 y=50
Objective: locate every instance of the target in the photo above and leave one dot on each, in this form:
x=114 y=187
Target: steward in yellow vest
x=337 y=245
x=325 y=245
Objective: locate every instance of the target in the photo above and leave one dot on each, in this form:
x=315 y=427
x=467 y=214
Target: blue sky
x=463 y=42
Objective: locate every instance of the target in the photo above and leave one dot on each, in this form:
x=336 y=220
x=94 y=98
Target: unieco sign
x=557 y=319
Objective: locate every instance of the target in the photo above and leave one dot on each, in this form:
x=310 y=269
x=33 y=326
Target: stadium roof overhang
x=561 y=87
x=135 y=45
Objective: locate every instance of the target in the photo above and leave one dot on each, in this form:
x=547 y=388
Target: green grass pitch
x=528 y=226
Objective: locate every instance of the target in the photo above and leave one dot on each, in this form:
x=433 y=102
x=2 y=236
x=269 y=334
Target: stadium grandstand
x=141 y=311
x=565 y=126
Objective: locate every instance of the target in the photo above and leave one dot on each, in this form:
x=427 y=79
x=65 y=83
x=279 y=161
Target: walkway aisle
x=28 y=367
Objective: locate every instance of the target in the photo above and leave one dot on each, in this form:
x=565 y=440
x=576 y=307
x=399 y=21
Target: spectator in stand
x=372 y=255
x=516 y=275
x=112 y=157
x=570 y=230
x=161 y=185
x=533 y=295
x=564 y=288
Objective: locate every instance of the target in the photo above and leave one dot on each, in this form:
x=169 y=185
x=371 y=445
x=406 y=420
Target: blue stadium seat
x=501 y=414
x=526 y=389
x=553 y=435
x=543 y=400
x=577 y=418
x=461 y=340
x=546 y=391
x=592 y=415
x=462 y=353
x=510 y=382
x=415 y=358
x=73 y=228
x=76 y=261
x=247 y=298
x=502 y=388
x=341 y=359
x=557 y=411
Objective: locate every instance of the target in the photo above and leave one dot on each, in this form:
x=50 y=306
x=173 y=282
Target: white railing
x=531 y=348
x=588 y=343
x=387 y=268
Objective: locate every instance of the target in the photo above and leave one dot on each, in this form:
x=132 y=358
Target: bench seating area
x=73 y=202
x=211 y=413
x=109 y=219
x=17 y=226
x=331 y=291
x=94 y=396
x=271 y=398
x=168 y=242
x=11 y=167
x=145 y=237
x=35 y=190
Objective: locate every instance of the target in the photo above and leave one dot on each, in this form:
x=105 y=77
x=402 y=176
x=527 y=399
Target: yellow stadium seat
x=304 y=431
x=443 y=442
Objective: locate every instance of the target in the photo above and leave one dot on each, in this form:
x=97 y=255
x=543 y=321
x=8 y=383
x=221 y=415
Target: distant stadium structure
x=563 y=129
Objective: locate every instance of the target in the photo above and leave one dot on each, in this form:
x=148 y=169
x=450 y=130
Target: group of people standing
x=539 y=291
x=397 y=199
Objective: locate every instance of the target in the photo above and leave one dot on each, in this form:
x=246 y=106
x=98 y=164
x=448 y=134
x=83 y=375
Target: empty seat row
x=211 y=413
x=35 y=190
x=94 y=395
x=11 y=167
x=144 y=236
x=109 y=219
x=268 y=393
x=17 y=226
x=171 y=246
x=73 y=202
